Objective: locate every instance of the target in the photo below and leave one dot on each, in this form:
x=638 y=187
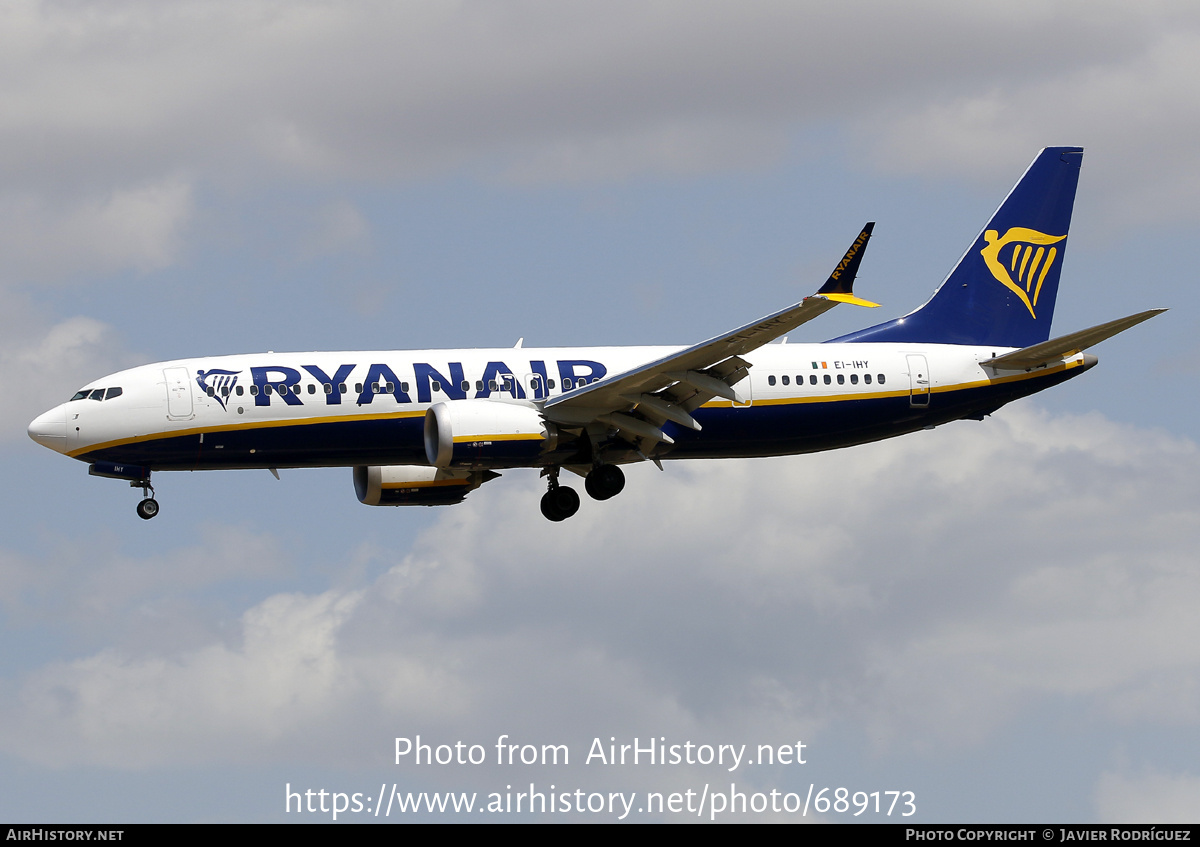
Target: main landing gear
x=560 y=502
x=604 y=481
x=148 y=508
x=601 y=483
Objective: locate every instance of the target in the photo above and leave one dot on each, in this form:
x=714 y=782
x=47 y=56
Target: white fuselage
x=362 y=408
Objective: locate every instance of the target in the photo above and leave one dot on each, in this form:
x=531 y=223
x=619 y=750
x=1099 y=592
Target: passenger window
x=210 y=391
x=342 y=388
x=116 y=392
x=867 y=379
x=567 y=384
x=828 y=379
x=404 y=387
x=841 y=379
x=785 y=379
x=479 y=385
x=812 y=378
x=224 y=391
x=312 y=388
x=239 y=391
x=854 y=379
x=433 y=386
x=465 y=385
x=267 y=389
x=771 y=380
x=329 y=388
x=492 y=386
x=881 y=379
x=391 y=387
x=358 y=388
x=550 y=383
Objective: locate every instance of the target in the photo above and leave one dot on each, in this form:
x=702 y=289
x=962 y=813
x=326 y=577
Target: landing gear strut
x=560 y=502
x=604 y=481
x=148 y=508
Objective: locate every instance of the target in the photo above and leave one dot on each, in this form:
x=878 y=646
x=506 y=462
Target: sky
x=998 y=616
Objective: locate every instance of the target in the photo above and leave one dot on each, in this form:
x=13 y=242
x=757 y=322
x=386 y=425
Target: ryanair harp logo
x=217 y=384
x=1028 y=261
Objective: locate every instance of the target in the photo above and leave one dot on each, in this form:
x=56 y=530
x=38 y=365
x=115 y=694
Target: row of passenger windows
x=382 y=388
x=97 y=394
x=841 y=379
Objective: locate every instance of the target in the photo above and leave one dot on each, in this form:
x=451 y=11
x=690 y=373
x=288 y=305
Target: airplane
x=427 y=427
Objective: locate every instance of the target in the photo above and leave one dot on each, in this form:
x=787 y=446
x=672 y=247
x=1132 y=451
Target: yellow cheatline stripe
x=825 y=398
x=237 y=427
x=874 y=395
x=429 y=484
x=517 y=436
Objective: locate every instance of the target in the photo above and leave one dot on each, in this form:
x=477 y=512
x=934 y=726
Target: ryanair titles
x=361 y=384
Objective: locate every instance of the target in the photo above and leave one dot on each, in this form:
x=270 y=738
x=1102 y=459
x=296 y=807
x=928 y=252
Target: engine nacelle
x=486 y=433
x=414 y=485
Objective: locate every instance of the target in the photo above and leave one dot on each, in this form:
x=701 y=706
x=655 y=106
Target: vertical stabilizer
x=1003 y=289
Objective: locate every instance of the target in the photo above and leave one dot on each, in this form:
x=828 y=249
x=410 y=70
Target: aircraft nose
x=50 y=429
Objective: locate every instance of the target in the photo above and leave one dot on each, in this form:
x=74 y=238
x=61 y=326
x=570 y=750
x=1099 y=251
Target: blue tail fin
x=1002 y=290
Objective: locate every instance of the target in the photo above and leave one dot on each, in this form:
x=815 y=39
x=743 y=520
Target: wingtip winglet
x=841 y=281
x=851 y=299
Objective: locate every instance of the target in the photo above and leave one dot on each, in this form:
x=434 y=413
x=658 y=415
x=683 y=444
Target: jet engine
x=414 y=485
x=486 y=433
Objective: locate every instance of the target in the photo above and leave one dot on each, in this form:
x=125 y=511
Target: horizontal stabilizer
x=1057 y=349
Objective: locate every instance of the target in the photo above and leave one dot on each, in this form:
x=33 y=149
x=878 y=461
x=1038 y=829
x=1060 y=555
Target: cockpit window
x=96 y=394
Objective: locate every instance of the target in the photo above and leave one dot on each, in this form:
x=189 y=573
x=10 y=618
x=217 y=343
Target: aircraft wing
x=640 y=400
x=1057 y=349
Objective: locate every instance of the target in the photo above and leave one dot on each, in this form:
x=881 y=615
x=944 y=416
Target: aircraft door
x=179 y=394
x=918 y=381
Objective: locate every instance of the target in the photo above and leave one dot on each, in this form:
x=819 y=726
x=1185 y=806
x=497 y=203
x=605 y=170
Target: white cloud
x=1149 y=797
x=114 y=115
x=550 y=91
x=1131 y=109
x=138 y=228
x=42 y=366
x=927 y=589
